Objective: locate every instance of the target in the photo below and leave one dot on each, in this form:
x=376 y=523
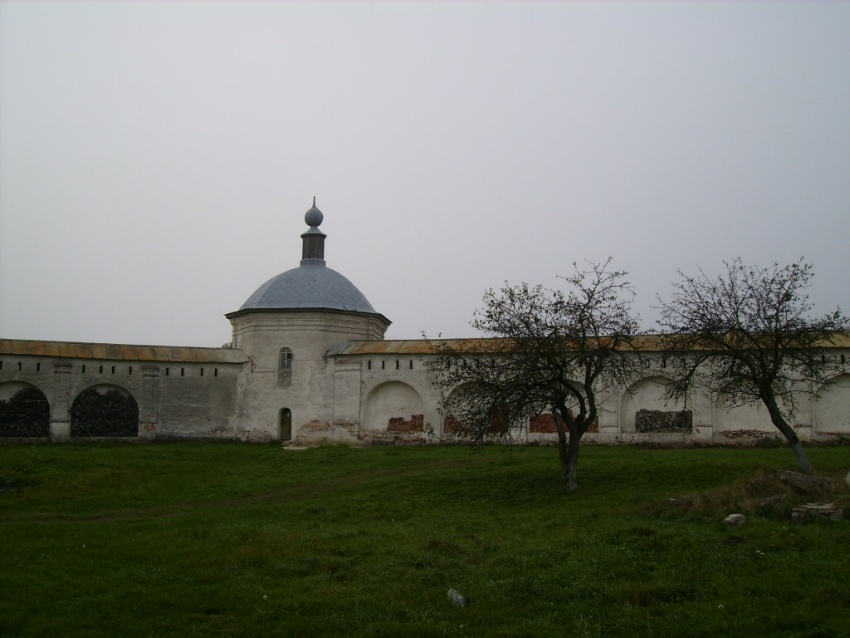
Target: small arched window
x=285 y=359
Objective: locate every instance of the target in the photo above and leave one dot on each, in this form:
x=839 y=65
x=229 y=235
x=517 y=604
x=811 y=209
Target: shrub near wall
x=26 y=413
x=111 y=413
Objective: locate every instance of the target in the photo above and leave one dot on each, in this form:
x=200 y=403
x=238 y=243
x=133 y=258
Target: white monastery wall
x=377 y=397
x=175 y=398
x=308 y=364
x=831 y=410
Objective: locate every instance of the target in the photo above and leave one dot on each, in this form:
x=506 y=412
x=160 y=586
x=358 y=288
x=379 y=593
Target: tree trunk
x=788 y=432
x=570 y=483
x=568 y=454
x=563 y=456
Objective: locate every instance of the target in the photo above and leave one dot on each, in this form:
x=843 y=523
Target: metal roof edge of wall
x=120 y=352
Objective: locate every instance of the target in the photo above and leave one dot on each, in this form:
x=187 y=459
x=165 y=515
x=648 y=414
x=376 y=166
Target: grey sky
x=156 y=159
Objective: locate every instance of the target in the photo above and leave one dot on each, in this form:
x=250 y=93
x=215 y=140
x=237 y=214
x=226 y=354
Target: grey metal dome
x=311 y=285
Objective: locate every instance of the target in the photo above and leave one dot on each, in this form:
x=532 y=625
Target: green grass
x=228 y=539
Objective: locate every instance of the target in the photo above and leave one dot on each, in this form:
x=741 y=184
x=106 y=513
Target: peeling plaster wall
x=392 y=404
x=191 y=405
x=664 y=421
x=831 y=410
x=383 y=396
x=397 y=386
x=745 y=417
x=646 y=394
x=322 y=393
x=170 y=403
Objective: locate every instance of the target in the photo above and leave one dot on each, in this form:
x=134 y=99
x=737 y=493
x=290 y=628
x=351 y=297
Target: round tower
x=287 y=326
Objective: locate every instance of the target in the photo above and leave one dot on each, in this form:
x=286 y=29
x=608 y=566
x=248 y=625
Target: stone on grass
x=456 y=598
x=806 y=483
x=735 y=519
x=814 y=511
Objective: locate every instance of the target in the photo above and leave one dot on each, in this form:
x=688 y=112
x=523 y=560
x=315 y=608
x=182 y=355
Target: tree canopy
x=547 y=352
x=749 y=336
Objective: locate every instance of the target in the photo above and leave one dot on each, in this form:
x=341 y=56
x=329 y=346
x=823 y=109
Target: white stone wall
x=711 y=423
x=174 y=398
x=379 y=396
x=309 y=388
x=832 y=409
x=195 y=402
x=398 y=386
x=646 y=394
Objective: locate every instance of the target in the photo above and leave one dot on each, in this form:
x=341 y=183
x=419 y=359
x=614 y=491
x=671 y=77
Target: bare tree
x=748 y=337
x=548 y=351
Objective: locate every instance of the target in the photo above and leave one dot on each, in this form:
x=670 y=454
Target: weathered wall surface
x=312 y=383
x=646 y=394
x=394 y=407
x=399 y=401
x=639 y=413
x=339 y=388
x=832 y=409
x=198 y=401
x=178 y=398
x=664 y=421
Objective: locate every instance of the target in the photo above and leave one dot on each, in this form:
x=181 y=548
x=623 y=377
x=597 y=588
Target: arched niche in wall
x=748 y=417
x=394 y=407
x=643 y=408
x=451 y=425
x=105 y=410
x=499 y=421
x=832 y=407
x=24 y=410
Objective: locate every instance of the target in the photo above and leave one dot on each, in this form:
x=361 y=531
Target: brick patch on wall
x=451 y=425
x=542 y=424
x=545 y=424
x=664 y=421
x=400 y=425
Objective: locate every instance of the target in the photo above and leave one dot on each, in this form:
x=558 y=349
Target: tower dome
x=310 y=286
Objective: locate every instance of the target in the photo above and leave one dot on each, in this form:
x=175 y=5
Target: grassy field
x=228 y=539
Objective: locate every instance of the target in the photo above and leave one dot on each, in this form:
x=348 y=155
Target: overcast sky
x=157 y=159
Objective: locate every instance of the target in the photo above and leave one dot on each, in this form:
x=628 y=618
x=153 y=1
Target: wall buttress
x=60 y=421
x=149 y=408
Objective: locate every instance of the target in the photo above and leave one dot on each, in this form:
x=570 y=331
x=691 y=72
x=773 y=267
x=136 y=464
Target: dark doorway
x=285 y=424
